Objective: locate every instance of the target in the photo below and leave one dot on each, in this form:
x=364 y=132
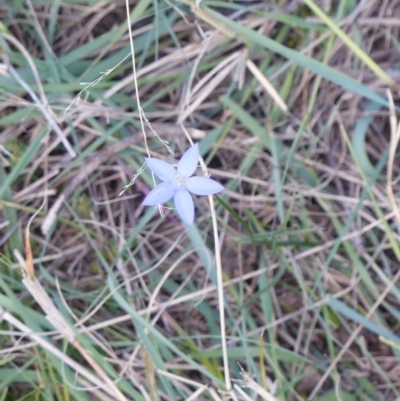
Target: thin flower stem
x=218 y=265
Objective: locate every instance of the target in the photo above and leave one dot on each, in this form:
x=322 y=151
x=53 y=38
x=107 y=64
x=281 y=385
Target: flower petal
x=188 y=163
x=161 y=193
x=184 y=205
x=161 y=169
x=203 y=186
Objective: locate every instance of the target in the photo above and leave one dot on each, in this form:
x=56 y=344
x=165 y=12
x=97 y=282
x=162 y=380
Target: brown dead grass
x=99 y=178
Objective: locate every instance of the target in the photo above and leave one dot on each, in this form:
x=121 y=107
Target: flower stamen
x=179 y=181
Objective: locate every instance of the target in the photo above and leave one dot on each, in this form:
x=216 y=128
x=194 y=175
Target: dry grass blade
x=267 y=85
x=43 y=104
x=207 y=85
x=5 y=315
x=57 y=320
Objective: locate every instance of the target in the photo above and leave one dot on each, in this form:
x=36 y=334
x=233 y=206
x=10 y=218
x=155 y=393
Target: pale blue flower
x=178 y=183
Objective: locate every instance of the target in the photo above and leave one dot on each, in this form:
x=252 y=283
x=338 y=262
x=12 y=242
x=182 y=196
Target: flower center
x=179 y=181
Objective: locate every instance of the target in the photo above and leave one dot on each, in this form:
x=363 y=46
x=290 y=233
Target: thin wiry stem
x=135 y=78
